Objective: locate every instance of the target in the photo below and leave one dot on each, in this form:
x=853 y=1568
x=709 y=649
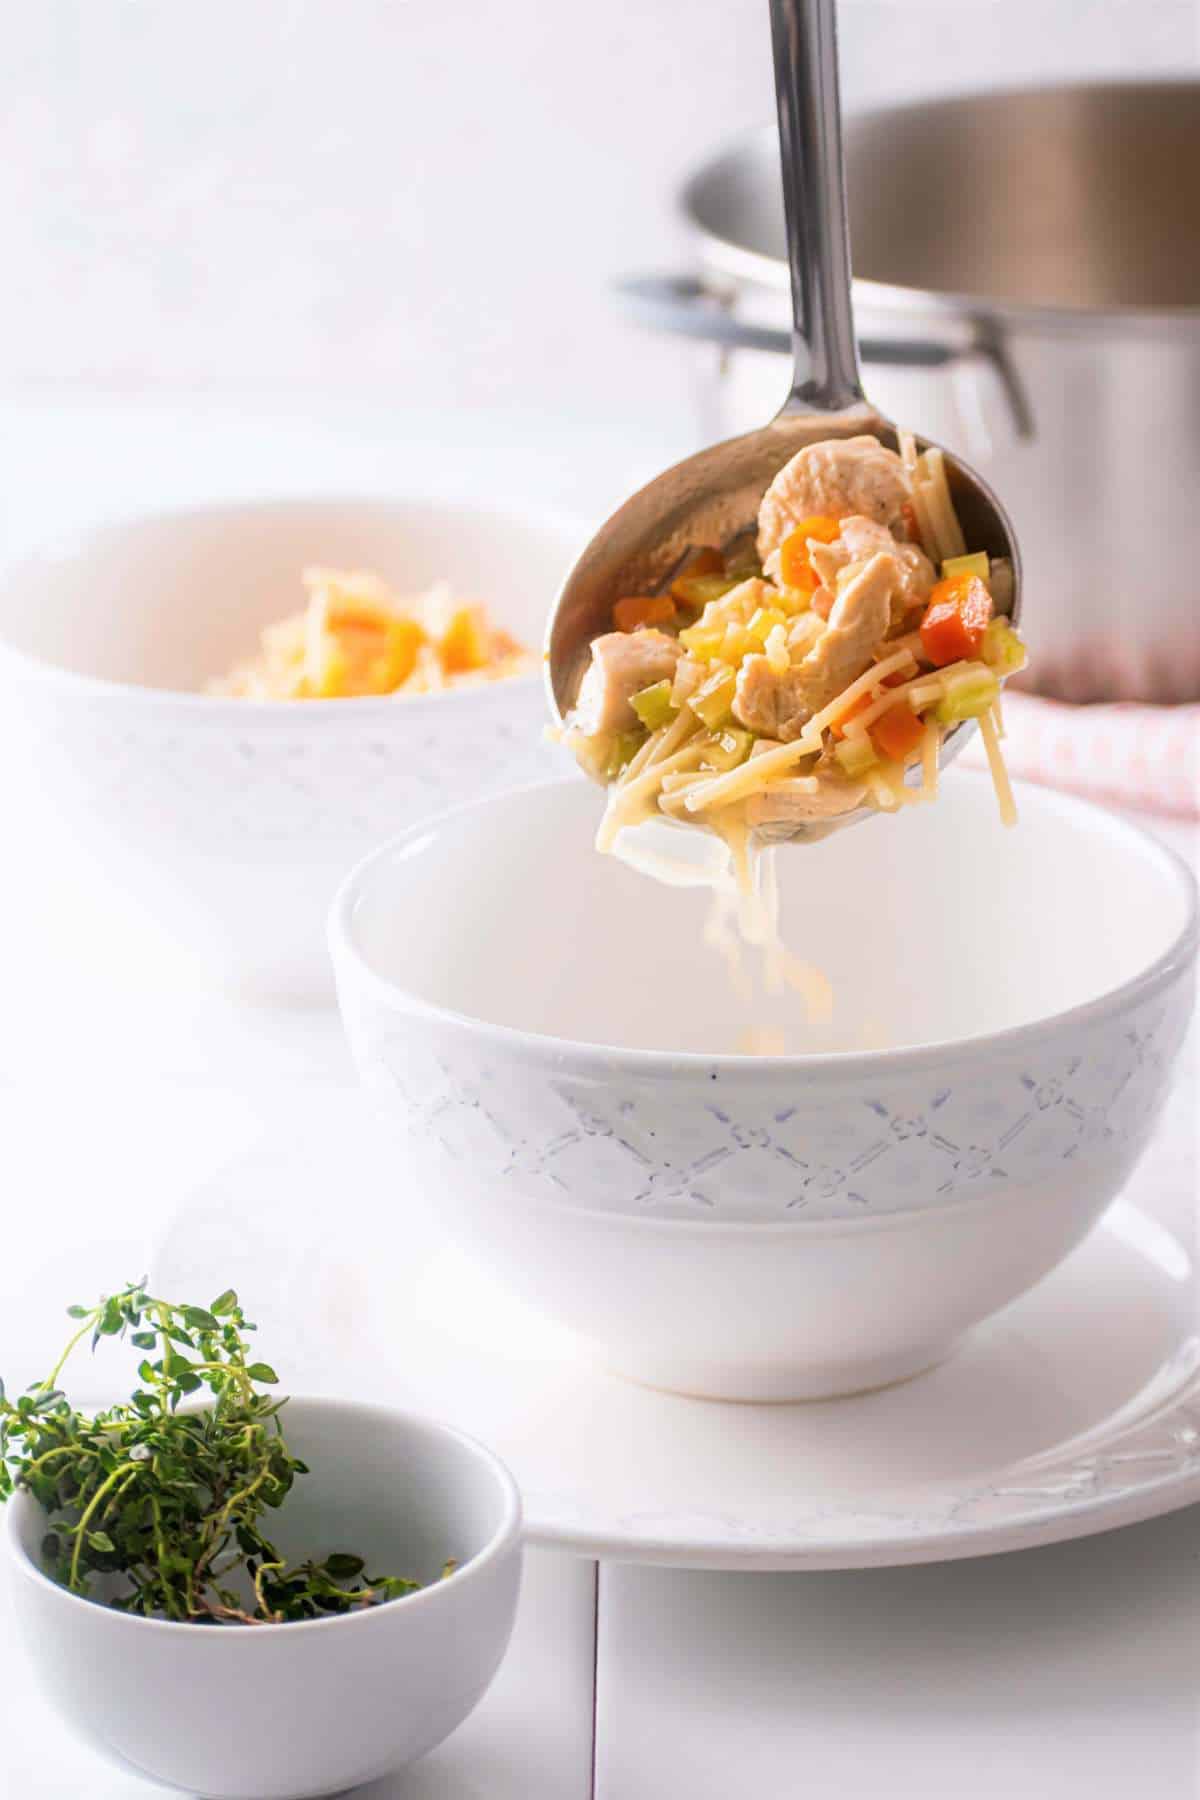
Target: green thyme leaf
x=344 y=1568
x=174 y=1501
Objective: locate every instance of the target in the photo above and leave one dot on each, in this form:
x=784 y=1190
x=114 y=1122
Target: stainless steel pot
x=1028 y=290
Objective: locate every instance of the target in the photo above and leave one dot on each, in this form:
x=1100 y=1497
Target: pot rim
x=743 y=264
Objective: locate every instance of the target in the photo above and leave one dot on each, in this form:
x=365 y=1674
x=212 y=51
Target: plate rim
x=1080 y=1518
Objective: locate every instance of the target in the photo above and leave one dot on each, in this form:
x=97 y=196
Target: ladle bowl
x=713 y=497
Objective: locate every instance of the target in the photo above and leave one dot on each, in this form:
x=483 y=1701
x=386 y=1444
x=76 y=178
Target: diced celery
x=763 y=622
x=737 y=644
x=713 y=703
x=976 y=564
x=855 y=756
x=967 y=699
x=730 y=748
x=625 y=746
x=698 y=590
x=1002 y=649
x=654 y=706
x=793 y=601
x=703 y=641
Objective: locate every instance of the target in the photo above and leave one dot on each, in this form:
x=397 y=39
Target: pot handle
x=683 y=306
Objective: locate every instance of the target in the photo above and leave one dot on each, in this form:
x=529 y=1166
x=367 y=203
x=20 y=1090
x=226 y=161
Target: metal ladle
x=713 y=498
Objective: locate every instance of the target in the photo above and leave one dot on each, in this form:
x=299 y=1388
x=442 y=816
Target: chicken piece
x=836 y=477
x=862 y=538
x=782 y=811
x=780 y=706
x=772 y=705
x=828 y=561
x=806 y=630
x=623 y=663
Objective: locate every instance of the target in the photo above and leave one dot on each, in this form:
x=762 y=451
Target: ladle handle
x=825 y=357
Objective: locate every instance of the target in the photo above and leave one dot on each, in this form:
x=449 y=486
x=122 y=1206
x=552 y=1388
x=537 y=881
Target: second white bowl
x=553 y=1039
x=231 y=820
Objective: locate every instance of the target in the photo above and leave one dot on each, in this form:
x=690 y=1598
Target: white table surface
x=1069 y=1671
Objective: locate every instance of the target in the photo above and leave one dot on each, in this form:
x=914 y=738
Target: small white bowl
x=282 y=1712
x=552 y=1035
x=230 y=820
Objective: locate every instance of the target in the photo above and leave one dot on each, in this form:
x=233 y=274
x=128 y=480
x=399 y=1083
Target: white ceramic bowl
x=280 y=1712
x=552 y=1036
x=233 y=821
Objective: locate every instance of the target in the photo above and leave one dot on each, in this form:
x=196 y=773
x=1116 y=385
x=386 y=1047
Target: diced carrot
x=805 y=578
x=822 y=526
x=647 y=609
x=868 y=699
x=793 y=552
x=908 y=513
x=405 y=638
x=898 y=732
x=464 y=643
x=370 y=655
x=794 y=564
x=358 y=614
x=955 y=619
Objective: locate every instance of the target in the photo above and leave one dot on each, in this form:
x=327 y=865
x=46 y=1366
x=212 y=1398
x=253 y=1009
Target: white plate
x=1075 y=1410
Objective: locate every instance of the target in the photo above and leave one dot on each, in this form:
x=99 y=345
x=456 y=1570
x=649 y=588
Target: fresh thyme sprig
x=166 y=1503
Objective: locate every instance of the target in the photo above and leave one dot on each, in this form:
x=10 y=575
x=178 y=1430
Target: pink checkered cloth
x=1146 y=757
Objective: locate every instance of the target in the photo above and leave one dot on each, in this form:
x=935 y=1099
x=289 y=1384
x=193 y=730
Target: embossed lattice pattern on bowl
x=772 y=1149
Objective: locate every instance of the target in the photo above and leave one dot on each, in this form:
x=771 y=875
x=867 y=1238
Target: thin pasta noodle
x=921 y=513
x=796 y=784
x=677 y=781
x=902 y=794
x=782 y=969
x=880 y=791
x=926 y=691
x=941 y=507
x=721 y=936
x=643 y=756
x=751 y=778
x=629 y=798
x=999 y=774
x=672 y=737
x=755 y=923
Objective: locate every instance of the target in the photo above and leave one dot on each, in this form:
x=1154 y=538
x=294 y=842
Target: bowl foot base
x=781 y=1382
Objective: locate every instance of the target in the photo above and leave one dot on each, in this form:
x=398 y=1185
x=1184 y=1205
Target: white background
x=361 y=211
x=420 y=201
